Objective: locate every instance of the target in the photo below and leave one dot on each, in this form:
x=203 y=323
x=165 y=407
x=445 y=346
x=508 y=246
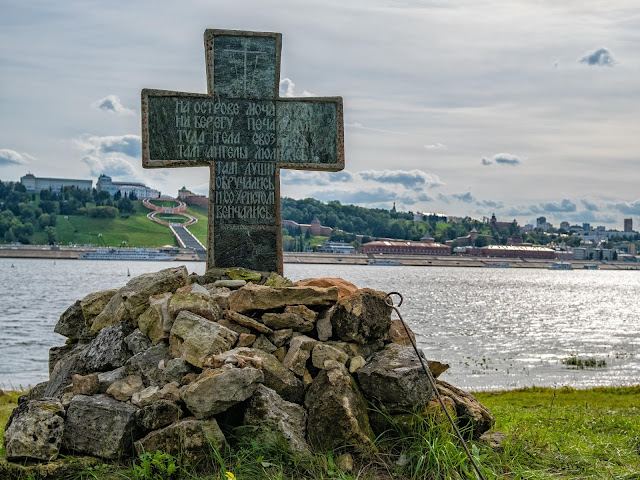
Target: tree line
x=23 y=213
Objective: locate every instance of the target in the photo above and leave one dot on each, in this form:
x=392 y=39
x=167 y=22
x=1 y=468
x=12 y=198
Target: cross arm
x=310 y=133
x=177 y=129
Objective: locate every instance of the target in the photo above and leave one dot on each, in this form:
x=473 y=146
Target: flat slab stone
x=100 y=426
x=217 y=390
x=394 y=377
x=253 y=297
x=246 y=321
x=194 y=338
x=190 y=437
x=34 y=430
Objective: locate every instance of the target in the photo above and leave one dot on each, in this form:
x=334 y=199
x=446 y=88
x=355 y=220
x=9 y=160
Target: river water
x=497 y=328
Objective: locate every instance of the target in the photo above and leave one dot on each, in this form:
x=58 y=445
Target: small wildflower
x=230 y=476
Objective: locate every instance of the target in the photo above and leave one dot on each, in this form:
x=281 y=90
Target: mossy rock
x=239 y=273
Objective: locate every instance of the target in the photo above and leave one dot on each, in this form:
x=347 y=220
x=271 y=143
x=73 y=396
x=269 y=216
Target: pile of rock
x=162 y=362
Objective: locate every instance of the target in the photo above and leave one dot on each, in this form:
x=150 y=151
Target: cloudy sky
x=470 y=107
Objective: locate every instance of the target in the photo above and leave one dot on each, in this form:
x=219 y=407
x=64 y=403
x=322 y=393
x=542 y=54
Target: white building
x=140 y=190
x=336 y=247
x=35 y=184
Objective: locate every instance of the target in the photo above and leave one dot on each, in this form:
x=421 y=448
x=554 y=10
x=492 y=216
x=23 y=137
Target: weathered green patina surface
x=245 y=133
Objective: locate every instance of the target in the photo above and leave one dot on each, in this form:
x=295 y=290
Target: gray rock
x=174 y=370
x=245 y=340
x=473 y=418
x=263 y=343
x=322 y=352
x=106 y=379
x=137 y=341
x=323 y=325
x=147 y=364
x=233 y=326
x=337 y=411
x=362 y=317
x=85 y=384
x=246 y=321
x=36 y=393
x=114 y=312
x=93 y=304
x=108 y=350
x=276 y=376
x=280 y=337
x=276 y=421
x=61 y=376
x=253 y=297
x=58 y=353
x=230 y=283
x=100 y=426
x=71 y=322
x=123 y=390
x=298 y=354
x=287 y=320
x=156 y=322
x=34 y=430
x=217 y=390
x=199 y=303
x=302 y=311
x=158 y=415
x=394 y=378
x=133 y=299
x=194 y=338
x=190 y=438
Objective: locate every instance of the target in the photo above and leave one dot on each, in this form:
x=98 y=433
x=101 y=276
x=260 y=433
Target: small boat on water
x=137 y=254
x=592 y=266
x=561 y=266
x=385 y=262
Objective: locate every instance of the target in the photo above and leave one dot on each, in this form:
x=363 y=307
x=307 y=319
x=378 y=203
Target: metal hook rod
x=432 y=381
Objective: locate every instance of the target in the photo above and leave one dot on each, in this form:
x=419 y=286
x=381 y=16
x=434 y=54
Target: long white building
x=35 y=184
x=125 y=188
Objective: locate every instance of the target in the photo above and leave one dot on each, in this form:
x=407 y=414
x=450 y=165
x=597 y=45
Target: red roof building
x=406 y=247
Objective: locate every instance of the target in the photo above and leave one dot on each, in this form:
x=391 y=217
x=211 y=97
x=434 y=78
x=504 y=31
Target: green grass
x=8 y=401
x=199 y=229
x=551 y=434
x=172 y=218
x=164 y=203
x=135 y=229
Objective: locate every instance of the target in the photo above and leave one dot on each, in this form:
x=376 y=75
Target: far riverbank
x=186 y=255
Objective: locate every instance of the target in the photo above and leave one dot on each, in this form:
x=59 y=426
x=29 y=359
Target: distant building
x=315 y=227
x=564 y=226
x=190 y=198
x=429 y=217
x=140 y=190
x=336 y=247
x=518 y=251
x=542 y=224
x=470 y=240
x=628 y=225
x=35 y=184
x=406 y=247
x=494 y=224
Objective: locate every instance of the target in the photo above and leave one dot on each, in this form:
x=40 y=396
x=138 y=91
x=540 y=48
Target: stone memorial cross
x=245 y=133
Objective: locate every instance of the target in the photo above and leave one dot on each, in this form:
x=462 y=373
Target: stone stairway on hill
x=186 y=239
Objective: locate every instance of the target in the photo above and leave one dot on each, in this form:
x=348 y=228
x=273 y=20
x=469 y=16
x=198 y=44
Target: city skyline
x=523 y=109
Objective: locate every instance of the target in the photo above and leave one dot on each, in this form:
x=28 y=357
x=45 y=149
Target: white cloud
x=287 y=89
x=411 y=178
x=112 y=104
x=11 y=157
x=436 y=146
x=601 y=57
x=502 y=159
x=129 y=145
x=113 y=166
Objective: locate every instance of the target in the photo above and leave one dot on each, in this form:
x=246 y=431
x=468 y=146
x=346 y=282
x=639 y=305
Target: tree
x=51 y=235
x=481 y=241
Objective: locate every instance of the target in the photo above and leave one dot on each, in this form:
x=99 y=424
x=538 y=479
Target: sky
x=520 y=108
